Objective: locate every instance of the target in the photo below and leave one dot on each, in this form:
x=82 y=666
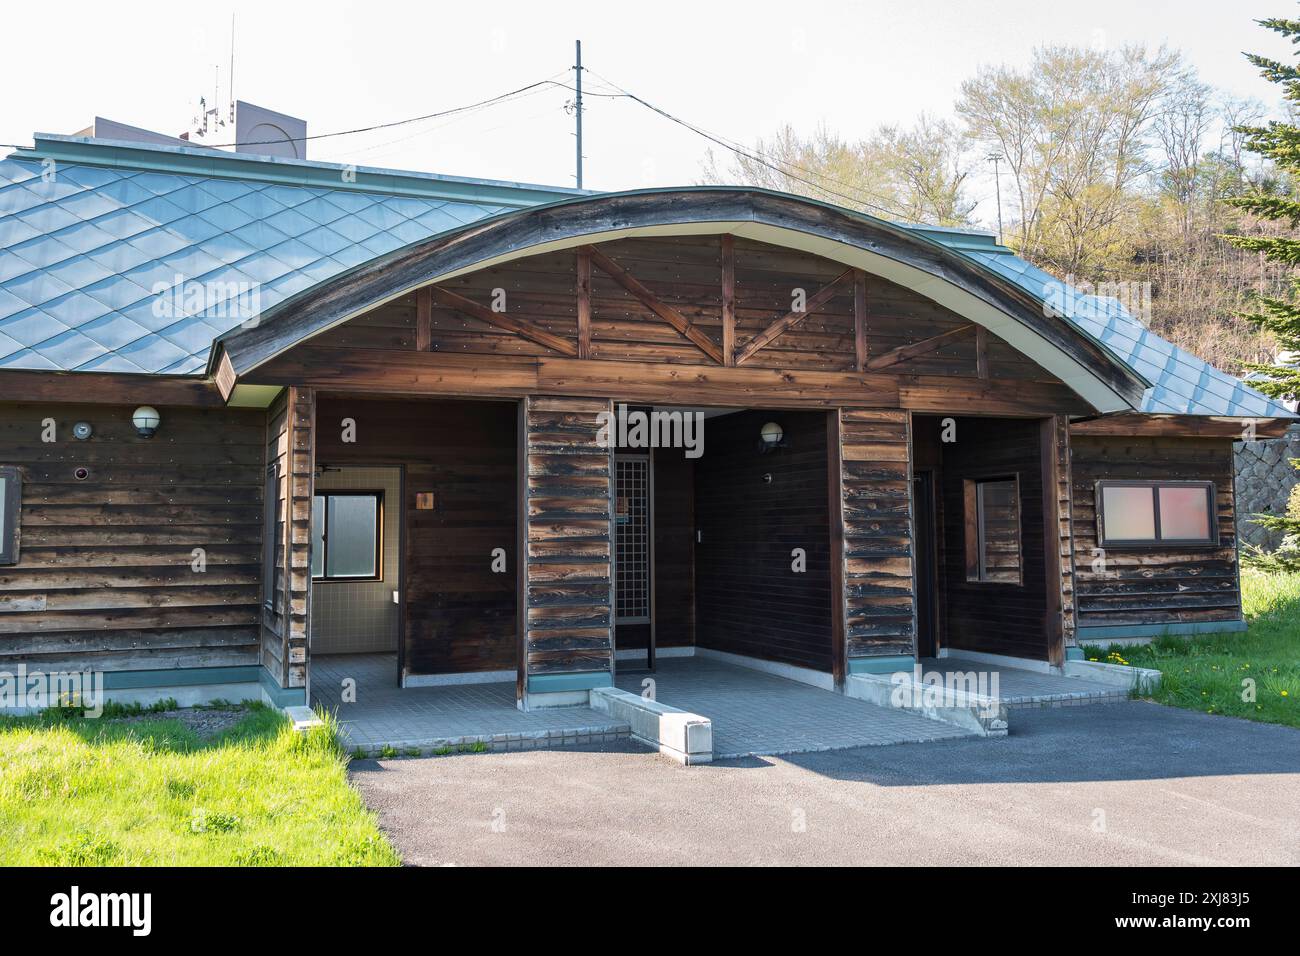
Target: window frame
x=1212 y=512
x=327 y=493
x=11 y=541
x=973 y=520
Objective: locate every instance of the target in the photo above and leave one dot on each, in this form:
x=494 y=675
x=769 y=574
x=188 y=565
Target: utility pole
x=577 y=69
x=995 y=158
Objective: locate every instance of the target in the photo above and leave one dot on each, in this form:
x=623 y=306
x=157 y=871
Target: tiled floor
x=432 y=718
x=758 y=714
x=1023 y=688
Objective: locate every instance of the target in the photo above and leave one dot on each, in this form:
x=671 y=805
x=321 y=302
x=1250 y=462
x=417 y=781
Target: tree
x=1074 y=132
x=917 y=174
x=1279 y=142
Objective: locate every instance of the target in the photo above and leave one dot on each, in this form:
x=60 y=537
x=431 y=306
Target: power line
x=740 y=150
x=490 y=101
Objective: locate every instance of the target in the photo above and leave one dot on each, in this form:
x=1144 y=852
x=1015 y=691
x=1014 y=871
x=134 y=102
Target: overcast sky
x=735 y=69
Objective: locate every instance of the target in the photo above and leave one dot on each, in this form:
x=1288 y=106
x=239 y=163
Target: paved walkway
x=436 y=718
x=755 y=713
x=1129 y=784
x=1023 y=688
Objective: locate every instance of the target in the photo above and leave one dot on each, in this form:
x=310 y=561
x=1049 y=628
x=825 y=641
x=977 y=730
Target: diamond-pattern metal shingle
x=97 y=259
x=1180 y=383
x=90 y=259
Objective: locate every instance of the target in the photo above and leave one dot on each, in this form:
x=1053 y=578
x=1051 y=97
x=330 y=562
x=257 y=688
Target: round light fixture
x=771 y=434
x=146 y=420
x=82 y=430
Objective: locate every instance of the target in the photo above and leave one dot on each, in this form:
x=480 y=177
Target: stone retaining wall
x=1265 y=477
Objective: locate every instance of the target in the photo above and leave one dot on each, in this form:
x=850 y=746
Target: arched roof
x=907 y=257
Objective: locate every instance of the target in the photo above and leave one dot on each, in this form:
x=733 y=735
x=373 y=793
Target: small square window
x=11 y=493
x=993 y=553
x=1150 y=513
x=347 y=535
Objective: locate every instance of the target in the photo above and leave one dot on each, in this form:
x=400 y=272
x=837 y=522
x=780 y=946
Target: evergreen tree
x=1278 y=142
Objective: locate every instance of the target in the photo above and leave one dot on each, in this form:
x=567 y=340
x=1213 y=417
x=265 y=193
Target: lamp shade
x=146 y=420
x=772 y=434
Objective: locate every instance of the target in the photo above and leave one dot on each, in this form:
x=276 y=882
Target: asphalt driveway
x=1130 y=783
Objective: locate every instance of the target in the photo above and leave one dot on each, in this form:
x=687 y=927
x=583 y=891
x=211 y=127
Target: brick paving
x=753 y=713
x=1022 y=688
x=430 y=719
x=757 y=714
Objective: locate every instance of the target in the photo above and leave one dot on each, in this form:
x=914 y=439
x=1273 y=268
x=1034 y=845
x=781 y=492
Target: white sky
x=737 y=69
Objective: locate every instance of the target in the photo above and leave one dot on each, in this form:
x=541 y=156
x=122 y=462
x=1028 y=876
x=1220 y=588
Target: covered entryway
x=722 y=549
x=986 y=569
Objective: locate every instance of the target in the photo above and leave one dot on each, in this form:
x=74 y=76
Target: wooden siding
x=1167 y=584
x=686 y=273
x=748 y=598
x=566 y=488
x=105 y=577
x=876 y=507
x=459 y=613
x=653 y=330
x=1058 y=545
x=290 y=446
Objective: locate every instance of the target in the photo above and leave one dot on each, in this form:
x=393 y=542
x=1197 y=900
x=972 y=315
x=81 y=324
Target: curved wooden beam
x=854 y=239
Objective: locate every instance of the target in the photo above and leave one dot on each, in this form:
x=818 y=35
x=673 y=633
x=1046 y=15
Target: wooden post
x=423 y=319
x=835 y=497
x=860 y=318
x=584 y=305
x=728 y=300
x=1055 y=534
x=981 y=351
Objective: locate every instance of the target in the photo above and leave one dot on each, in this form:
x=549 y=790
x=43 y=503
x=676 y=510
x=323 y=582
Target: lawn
x=140 y=791
x=1255 y=675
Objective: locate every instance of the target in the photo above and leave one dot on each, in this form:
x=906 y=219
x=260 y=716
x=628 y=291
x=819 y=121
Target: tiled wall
x=358 y=617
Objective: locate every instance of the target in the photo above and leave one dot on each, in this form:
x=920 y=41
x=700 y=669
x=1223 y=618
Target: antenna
x=230 y=77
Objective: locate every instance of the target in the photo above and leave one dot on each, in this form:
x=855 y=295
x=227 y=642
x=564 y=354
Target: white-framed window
x=1153 y=513
x=347 y=529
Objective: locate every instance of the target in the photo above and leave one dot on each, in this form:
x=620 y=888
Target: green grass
x=1209 y=673
x=145 y=792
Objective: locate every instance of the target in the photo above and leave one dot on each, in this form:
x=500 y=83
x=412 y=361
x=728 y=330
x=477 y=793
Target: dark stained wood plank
x=729 y=299
x=110 y=388
x=905 y=352
x=1189 y=426
x=790 y=319
x=981 y=352
x=584 y=304
x=423 y=319
x=502 y=320
x=647 y=298
x=860 y=347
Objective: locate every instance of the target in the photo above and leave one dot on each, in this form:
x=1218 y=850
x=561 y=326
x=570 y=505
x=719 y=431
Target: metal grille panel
x=632 y=540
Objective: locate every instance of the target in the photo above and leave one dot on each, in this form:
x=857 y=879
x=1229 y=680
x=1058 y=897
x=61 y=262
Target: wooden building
x=873 y=442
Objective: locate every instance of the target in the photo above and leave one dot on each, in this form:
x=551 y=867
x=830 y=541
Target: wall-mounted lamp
x=771 y=437
x=82 y=430
x=146 y=420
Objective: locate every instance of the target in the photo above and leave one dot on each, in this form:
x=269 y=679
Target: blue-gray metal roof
x=91 y=230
